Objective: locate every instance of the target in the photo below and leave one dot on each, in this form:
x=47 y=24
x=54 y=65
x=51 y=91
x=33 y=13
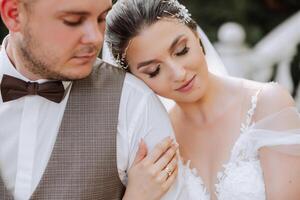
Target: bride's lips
x=187 y=86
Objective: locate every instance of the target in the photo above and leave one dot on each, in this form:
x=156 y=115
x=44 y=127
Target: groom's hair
x=128 y=18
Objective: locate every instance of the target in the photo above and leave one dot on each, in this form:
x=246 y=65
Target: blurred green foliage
x=258 y=17
x=3 y=30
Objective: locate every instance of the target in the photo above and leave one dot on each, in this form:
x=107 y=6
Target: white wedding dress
x=242 y=176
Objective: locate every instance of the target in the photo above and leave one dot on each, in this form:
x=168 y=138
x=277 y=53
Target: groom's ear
x=10 y=14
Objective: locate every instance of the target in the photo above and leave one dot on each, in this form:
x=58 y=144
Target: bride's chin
x=192 y=98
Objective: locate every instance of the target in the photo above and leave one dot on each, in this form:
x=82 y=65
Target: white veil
x=214 y=62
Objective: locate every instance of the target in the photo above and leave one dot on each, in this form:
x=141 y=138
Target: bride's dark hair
x=128 y=17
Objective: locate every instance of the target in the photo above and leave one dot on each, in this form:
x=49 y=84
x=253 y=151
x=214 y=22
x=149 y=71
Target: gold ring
x=169 y=170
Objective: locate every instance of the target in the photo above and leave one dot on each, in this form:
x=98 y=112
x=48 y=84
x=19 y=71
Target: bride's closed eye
x=155 y=72
x=152 y=71
x=182 y=51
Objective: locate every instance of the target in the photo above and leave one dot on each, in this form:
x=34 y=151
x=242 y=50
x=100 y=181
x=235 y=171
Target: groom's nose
x=93 y=34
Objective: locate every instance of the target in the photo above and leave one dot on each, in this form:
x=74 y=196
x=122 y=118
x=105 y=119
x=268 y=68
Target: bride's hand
x=151 y=176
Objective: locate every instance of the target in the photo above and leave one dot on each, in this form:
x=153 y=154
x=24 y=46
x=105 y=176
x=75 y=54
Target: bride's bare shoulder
x=271 y=99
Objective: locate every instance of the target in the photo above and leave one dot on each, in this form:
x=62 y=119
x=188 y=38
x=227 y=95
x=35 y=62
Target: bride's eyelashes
x=152 y=70
x=155 y=73
x=182 y=52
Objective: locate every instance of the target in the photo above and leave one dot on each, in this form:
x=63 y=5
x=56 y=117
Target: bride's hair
x=128 y=17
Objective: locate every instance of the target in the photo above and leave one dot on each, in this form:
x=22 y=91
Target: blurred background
x=256 y=39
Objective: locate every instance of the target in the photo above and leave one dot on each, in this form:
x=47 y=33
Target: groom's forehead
x=75 y=5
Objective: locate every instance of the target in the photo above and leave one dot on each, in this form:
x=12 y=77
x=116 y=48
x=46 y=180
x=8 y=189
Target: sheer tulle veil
x=214 y=62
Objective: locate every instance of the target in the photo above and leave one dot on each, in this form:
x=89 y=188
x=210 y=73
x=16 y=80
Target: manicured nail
x=176 y=144
x=142 y=141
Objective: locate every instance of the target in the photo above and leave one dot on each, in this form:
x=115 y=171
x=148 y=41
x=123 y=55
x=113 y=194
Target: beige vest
x=83 y=162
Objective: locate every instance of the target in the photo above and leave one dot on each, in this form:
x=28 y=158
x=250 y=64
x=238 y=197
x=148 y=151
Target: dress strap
x=251 y=111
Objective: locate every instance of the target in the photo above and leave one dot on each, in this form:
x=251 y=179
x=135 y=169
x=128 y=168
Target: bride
x=238 y=139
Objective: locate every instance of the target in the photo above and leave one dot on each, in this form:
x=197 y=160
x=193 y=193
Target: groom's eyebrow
x=172 y=46
x=82 y=12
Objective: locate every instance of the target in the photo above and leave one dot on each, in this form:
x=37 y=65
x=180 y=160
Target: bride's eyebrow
x=142 y=64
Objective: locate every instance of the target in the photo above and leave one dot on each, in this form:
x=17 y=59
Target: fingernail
x=142 y=141
x=168 y=138
x=176 y=144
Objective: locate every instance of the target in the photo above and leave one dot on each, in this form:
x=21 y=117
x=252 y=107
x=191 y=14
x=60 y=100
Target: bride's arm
x=281 y=174
x=280 y=164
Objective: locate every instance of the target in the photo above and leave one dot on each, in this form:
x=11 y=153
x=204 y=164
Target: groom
x=69 y=123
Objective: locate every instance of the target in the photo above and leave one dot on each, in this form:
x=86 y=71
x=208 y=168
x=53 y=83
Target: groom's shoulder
x=131 y=84
x=102 y=66
x=135 y=85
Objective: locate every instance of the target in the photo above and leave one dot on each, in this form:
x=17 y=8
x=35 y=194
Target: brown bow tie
x=13 y=88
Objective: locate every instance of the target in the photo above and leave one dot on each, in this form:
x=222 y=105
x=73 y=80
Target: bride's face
x=168 y=57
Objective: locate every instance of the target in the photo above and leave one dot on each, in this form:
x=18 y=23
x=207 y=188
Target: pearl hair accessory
x=182 y=15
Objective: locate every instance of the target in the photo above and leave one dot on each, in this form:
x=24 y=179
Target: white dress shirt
x=29 y=127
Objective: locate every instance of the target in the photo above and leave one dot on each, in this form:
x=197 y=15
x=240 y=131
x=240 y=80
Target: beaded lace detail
x=241 y=177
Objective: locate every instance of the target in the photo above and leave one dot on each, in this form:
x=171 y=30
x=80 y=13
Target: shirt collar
x=6 y=66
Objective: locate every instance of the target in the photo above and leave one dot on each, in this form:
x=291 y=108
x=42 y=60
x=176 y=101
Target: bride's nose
x=178 y=72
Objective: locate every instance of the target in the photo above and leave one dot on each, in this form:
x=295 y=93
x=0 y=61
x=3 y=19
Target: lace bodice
x=241 y=178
